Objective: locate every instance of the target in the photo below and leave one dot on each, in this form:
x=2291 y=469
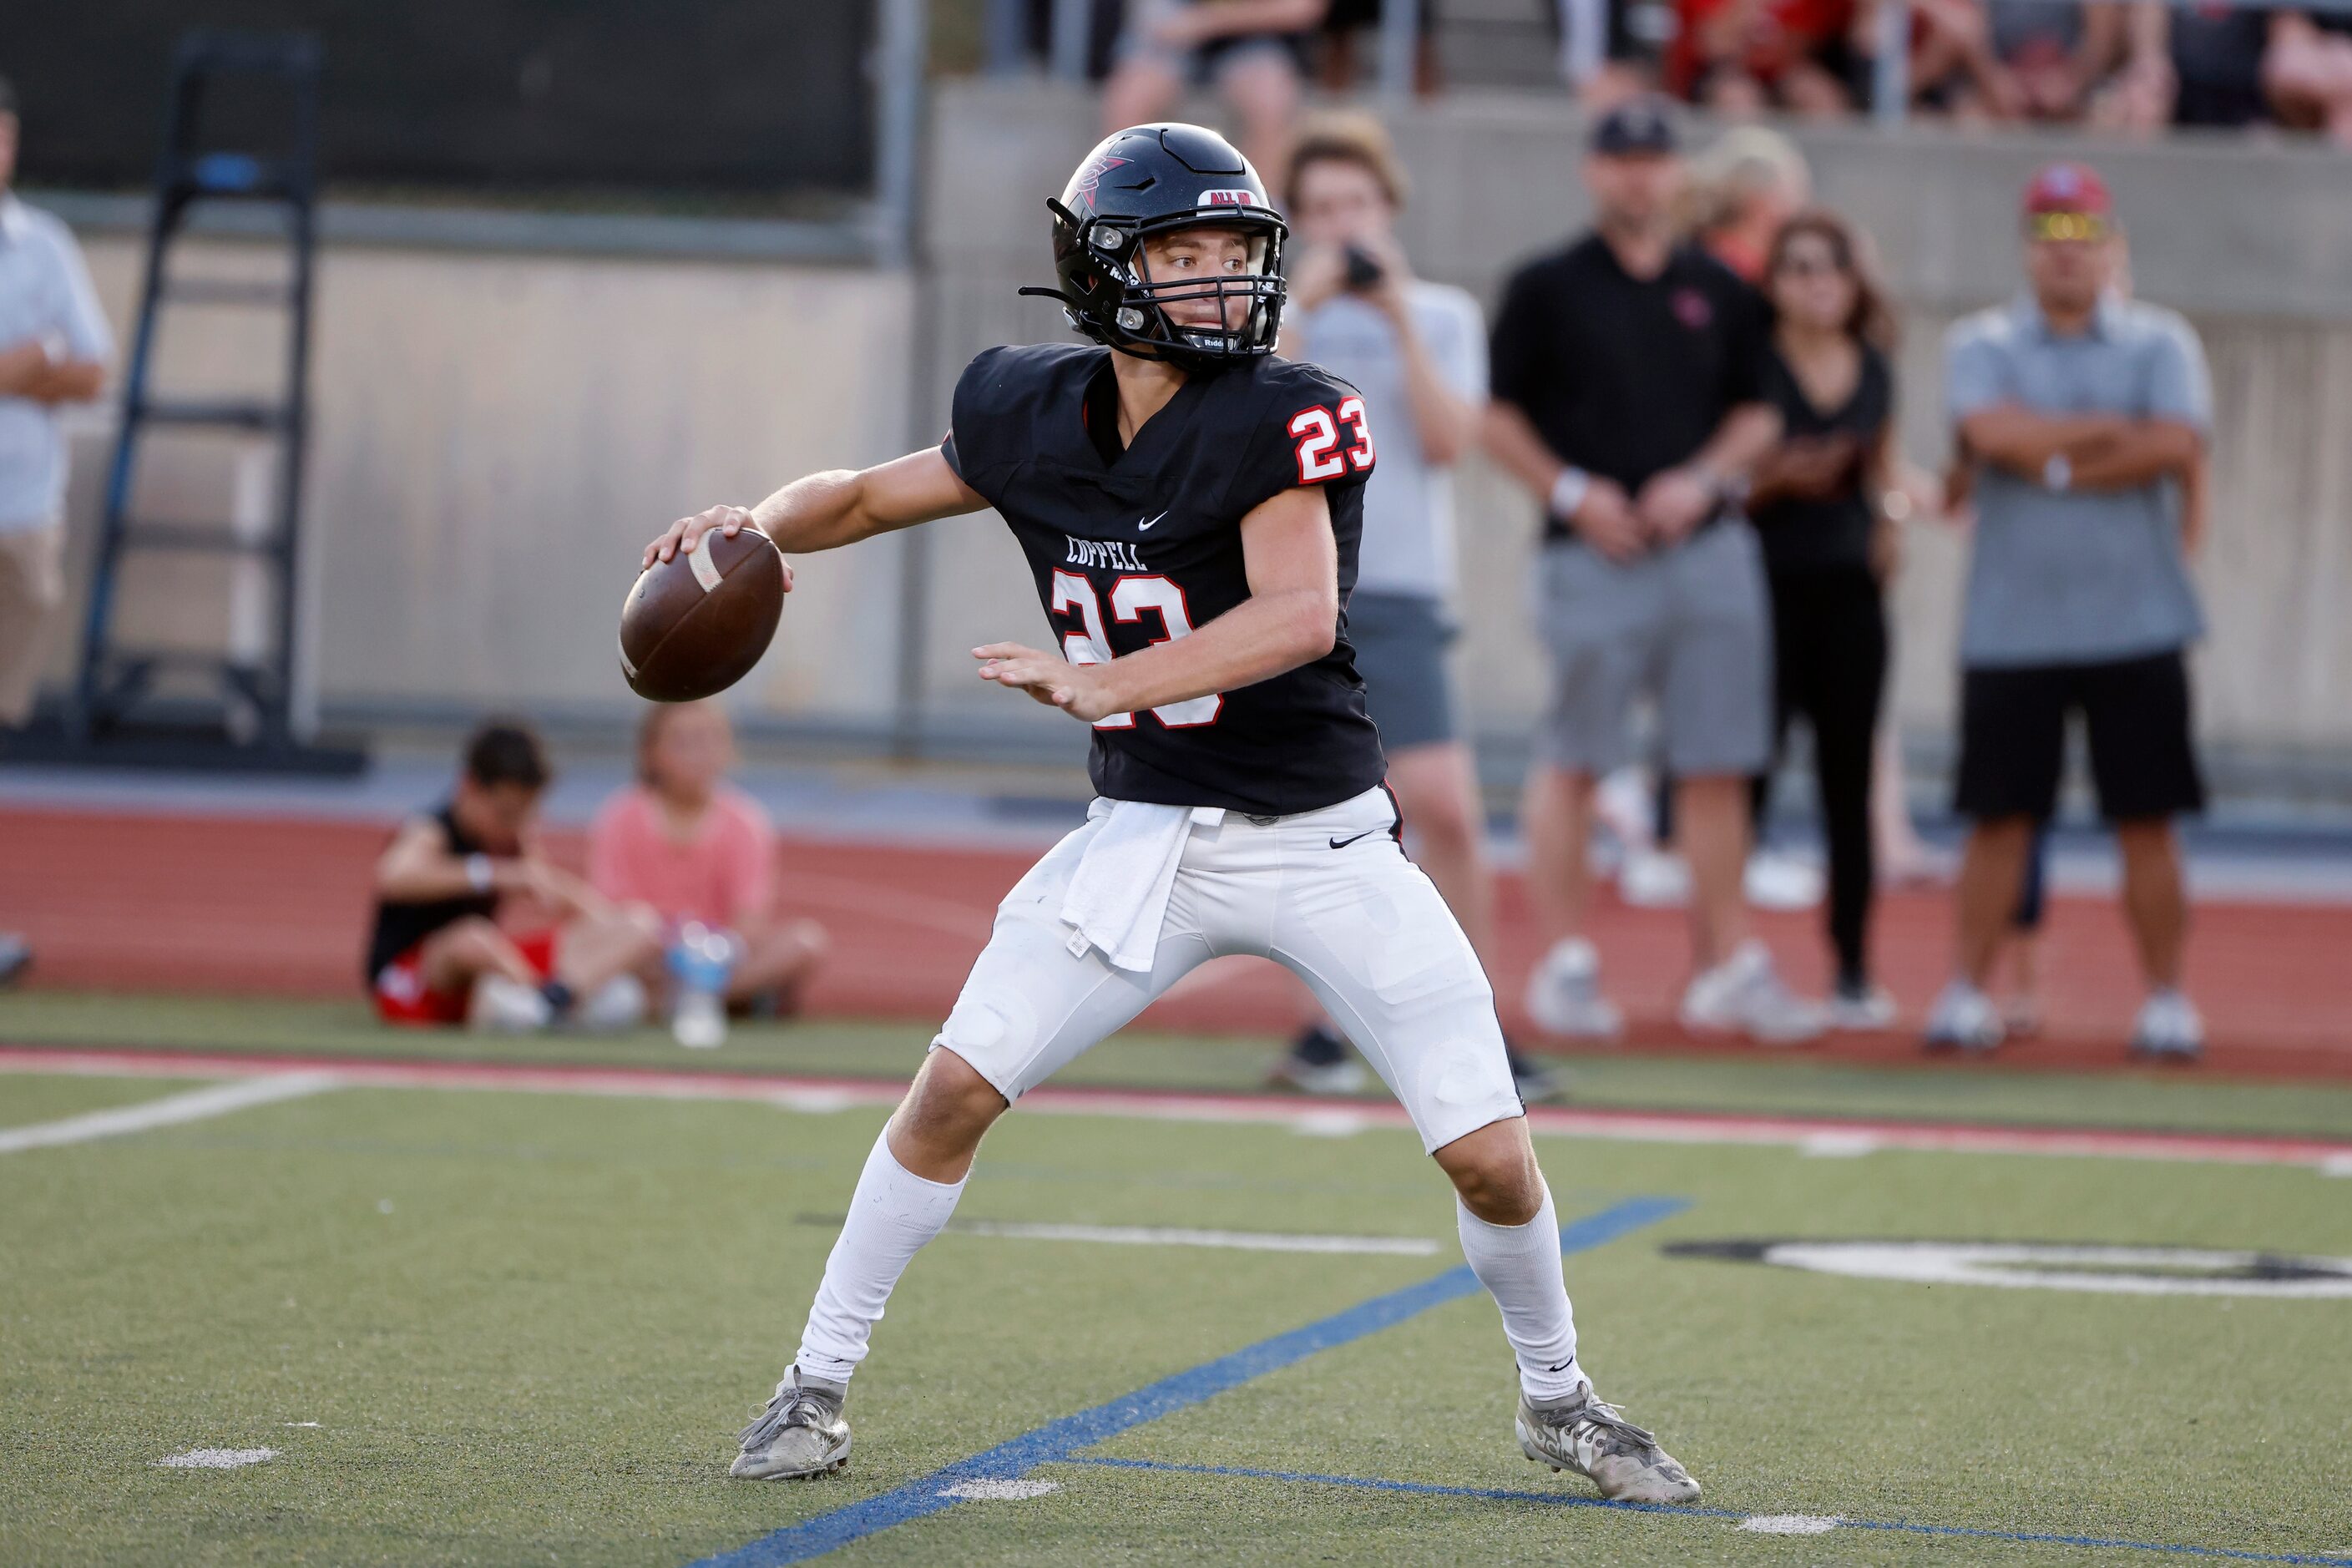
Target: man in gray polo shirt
x=2081 y=415
x=53 y=350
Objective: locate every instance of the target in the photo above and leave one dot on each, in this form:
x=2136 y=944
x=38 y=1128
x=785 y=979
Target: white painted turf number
x=1790 y=1523
x=215 y=1458
x=999 y=1492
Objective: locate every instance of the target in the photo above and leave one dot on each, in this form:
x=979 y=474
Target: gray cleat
x=1582 y=1433
x=801 y=1434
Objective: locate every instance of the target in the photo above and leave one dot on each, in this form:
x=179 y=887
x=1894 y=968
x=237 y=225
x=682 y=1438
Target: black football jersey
x=1146 y=548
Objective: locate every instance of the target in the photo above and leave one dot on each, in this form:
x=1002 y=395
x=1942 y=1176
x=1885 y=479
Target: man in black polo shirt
x=1626 y=396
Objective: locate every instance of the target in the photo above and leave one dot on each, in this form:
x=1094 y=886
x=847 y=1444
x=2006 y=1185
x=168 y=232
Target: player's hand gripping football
x=729 y=520
x=1081 y=690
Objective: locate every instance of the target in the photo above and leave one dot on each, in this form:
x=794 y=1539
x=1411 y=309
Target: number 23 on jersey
x=1130 y=596
x=1321 y=455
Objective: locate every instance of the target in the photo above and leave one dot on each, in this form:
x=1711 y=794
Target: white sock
x=1520 y=1266
x=893 y=1213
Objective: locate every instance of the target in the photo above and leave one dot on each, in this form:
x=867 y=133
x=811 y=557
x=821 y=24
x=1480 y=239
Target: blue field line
x=1575 y=1500
x=1057 y=1440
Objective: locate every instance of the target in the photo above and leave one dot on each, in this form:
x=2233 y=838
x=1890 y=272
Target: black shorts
x=2013 y=738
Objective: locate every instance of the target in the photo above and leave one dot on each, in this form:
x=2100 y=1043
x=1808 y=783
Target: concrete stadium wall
x=497 y=427
x=2254 y=242
x=495 y=437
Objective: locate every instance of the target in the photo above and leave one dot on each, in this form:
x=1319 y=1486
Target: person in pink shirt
x=695 y=848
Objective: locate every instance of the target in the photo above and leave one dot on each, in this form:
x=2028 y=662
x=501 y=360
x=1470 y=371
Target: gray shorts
x=1690 y=626
x=1400 y=641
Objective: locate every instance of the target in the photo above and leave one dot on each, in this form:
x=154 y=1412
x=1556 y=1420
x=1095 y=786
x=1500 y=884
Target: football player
x=1190 y=506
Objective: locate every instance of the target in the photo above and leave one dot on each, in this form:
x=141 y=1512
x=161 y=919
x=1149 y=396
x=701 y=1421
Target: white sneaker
x=1564 y=993
x=618 y=1004
x=1625 y=803
x=1774 y=880
x=1653 y=879
x=1582 y=1433
x=1865 y=1009
x=1743 y=994
x=800 y=1435
x=503 y=1006
x=2168 y=1028
x=1964 y=1019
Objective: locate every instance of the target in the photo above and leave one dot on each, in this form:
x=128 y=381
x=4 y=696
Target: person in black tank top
x=436 y=952
x=1827 y=549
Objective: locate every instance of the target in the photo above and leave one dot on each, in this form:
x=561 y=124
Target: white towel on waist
x=1117 y=898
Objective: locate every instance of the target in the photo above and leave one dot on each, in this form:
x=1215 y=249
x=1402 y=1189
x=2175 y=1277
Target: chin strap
x=1049 y=294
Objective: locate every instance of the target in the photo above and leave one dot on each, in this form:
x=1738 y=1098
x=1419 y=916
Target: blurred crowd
x=2131 y=66
x=1700 y=393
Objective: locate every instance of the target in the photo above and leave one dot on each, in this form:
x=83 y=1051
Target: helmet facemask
x=1113 y=296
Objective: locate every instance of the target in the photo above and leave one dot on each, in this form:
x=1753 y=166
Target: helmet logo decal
x=1083 y=188
x=1228 y=199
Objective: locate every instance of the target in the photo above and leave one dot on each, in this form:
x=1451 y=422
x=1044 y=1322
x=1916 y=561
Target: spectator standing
x=1417 y=350
x=1748 y=181
x=2083 y=415
x=1255 y=50
x=54 y=346
x=1625 y=374
x=686 y=844
x=439 y=953
x=1828 y=551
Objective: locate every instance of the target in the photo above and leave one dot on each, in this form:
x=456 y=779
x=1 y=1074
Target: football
x=695 y=625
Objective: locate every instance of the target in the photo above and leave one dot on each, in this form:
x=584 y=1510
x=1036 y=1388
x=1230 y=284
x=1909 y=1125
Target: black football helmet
x=1149 y=180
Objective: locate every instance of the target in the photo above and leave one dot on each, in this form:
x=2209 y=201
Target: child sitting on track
x=695 y=848
x=439 y=954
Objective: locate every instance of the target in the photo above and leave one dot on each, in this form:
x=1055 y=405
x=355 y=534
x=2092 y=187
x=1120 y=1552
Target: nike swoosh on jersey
x=1140 y=527
x=1367 y=833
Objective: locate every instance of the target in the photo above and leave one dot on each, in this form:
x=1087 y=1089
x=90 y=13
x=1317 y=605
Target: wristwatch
x=1568 y=492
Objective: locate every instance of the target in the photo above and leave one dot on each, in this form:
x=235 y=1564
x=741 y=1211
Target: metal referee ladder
x=255 y=692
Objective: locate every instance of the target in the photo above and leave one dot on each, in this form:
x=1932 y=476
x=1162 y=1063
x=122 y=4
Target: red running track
x=168 y=902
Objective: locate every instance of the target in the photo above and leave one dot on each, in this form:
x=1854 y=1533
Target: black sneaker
x=1319 y=1062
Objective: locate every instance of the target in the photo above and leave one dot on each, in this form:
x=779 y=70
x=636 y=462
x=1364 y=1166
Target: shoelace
x=1604 y=1416
x=778 y=1415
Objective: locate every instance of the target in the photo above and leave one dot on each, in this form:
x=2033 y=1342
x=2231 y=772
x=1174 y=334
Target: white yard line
x=1157 y=1236
x=1820 y=1136
x=216 y=1458
x=195 y=1105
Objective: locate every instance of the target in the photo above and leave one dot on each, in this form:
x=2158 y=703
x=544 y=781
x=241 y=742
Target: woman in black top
x=1827 y=549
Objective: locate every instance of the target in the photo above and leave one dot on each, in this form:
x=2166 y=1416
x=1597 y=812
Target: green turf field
x=526 y=1328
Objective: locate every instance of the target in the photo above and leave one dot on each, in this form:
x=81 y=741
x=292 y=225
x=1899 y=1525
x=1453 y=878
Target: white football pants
x=1327 y=894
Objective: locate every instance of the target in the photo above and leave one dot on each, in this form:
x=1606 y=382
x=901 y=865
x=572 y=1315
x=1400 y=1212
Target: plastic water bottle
x=700 y=960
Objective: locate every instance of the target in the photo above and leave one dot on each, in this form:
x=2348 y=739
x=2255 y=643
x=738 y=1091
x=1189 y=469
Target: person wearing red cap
x=2081 y=416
